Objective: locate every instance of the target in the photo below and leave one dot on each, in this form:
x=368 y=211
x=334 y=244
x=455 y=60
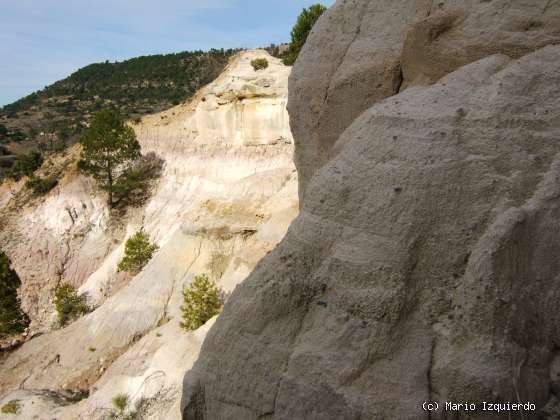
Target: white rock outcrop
x=227 y=193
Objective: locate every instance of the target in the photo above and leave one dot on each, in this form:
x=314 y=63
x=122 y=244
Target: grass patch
x=120 y=402
x=11 y=407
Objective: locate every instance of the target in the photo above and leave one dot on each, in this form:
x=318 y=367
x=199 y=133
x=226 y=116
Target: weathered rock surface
x=363 y=51
x=422 y=265
x=226 y=196
x=61 y=237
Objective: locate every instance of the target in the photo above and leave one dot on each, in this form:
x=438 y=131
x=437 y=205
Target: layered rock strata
x=226 y=195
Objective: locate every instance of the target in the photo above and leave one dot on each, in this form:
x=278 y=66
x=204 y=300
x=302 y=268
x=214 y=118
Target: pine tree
x=108 y=147
x=201 y=301
x=12 y=319
x=68 y=303
x=305 y=22
x=137 y=252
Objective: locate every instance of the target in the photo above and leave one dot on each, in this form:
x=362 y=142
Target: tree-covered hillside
x=57 y=114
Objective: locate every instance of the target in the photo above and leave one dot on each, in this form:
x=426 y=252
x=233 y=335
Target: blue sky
x=42 y=41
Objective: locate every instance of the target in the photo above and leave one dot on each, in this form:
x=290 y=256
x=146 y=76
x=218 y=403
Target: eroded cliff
x=227 y=193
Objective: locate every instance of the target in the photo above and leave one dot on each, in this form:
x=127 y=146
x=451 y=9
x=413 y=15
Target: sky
x=42 y=41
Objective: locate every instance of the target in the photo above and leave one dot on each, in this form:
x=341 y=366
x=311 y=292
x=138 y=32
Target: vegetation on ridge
x=59 y=113
x=152 y=81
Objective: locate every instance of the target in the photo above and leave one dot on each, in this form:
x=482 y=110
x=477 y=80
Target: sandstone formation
x=423 y=263
x=225 y=198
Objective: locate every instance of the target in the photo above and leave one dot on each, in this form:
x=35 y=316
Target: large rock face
x=378 y=48
x=226 y=195
x=423 y=264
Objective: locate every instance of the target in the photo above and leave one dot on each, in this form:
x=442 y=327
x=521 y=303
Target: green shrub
x=137 y=252
x=259 y=63
x=25 y=165
x=40 y=185
x=68 y=304
x=201 y=301
x=120 y=402
x=11 y=407
x=12 y=319
x=305 y=22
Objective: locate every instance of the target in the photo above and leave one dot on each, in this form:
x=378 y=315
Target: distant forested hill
x=56 y=115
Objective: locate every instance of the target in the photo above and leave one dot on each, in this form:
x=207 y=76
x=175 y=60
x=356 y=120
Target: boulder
x=422 y=266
